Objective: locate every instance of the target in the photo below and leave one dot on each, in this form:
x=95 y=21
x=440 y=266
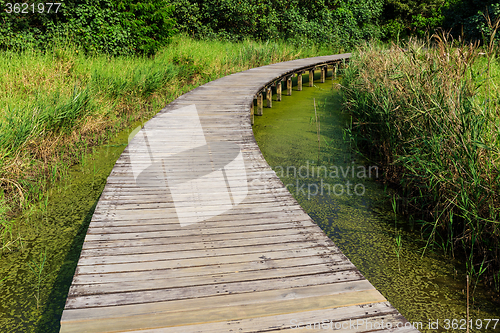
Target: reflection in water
x=310 y=153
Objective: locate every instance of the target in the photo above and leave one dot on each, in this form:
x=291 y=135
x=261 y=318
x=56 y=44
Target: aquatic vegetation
x=429 y=114
x=397 y=237
x=37 y=272
x=37 y=269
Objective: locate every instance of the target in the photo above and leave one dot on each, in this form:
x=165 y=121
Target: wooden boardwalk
x=195 y=233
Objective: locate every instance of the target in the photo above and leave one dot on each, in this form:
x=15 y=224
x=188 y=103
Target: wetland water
x=33 y=300
x=339 y=191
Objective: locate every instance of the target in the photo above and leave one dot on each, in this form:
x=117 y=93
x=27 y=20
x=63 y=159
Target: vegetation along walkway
x=195 y=233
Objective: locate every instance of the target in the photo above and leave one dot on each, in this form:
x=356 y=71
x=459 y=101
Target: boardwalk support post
x=278 y=91
x=259 y=104
x=252 y=112
x=311 y=77
x=289 y=86
x=269 y=97
x=299 y=81
x=323 y=73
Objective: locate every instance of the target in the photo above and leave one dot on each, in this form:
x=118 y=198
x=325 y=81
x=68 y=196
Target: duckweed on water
x=33 y=300
x=355 y=213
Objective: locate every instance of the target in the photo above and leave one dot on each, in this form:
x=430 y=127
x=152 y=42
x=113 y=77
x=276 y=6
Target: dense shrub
x=107 y=26
x=125 y=27
x=411 y=17
x=358 y=20
x=421 y=18
x=468 y=17
x=343 y=22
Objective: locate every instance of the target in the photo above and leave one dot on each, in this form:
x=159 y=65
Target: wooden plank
x=225 y=301
x=200 y=237
x=177 y=263
x=336 y=262
x=113 y=226
x=289 y=322
x=351 y=324
x=191 y=232
x=199 y=234
x=285 y=201
x=255 y=196
x=204 y=253
x=160 y=214
x=170 y=294
x=249 y=218
x=110 y=228
x=200 y=244
x=233 y=277
x=226 y=313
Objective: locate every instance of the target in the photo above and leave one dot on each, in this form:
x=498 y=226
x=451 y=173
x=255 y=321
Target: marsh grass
x=37 y=268
x=58 y=104
x=429 y=112
x=398 y=242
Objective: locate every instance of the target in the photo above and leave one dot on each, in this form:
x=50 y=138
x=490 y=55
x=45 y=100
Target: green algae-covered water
x=340 y=192
x=35 y=279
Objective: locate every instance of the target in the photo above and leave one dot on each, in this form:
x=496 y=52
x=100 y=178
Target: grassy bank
x=430 y=114
x=56 y=107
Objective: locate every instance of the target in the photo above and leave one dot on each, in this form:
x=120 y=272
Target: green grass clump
x=55 y=105
x=430 y=114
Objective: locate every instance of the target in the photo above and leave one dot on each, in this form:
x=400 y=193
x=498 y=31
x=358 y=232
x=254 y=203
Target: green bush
x=358 y=20
x=342 y=22
x=149 y=23
x=410 y=17
x=467 y=17
x=97 y=27
x=105 y=26
x=406 y=18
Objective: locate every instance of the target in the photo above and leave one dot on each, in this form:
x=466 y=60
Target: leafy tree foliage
x=462 y=17
x=468 y=17
x=126 y=27
x=110 y=26
x=358 y=19
x=300 y=20
x=346 y=21
x=413 y=17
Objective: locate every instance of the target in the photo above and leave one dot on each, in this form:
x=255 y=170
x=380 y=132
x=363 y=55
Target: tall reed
x=430 y=114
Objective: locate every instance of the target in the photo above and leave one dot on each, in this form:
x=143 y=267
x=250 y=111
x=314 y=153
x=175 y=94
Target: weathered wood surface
x=162 y=257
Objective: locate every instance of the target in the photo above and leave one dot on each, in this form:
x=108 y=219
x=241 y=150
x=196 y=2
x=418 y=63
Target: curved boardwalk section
x=195 y=233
